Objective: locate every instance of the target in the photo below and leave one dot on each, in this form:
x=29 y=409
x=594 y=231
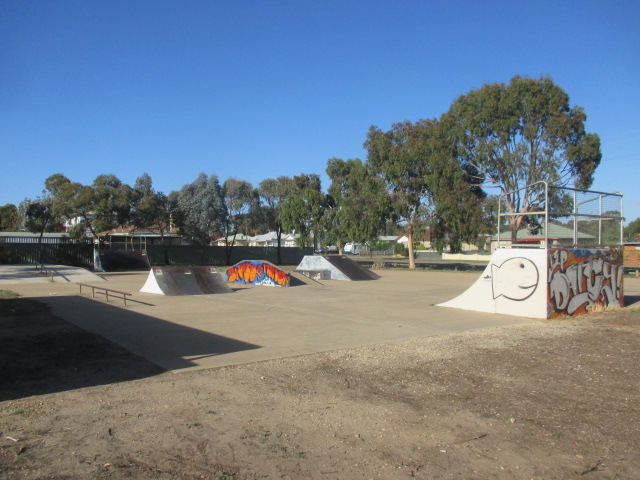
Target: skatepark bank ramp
x=185 y=281
x=333 y=267
x=546 y=283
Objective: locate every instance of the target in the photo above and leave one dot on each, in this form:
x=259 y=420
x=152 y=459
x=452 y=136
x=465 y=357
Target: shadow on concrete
x=631 y=300
x=41 y=353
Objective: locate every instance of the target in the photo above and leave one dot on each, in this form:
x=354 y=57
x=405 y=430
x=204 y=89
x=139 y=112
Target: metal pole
x=546 y=215
x=600 y=221
x=575 y=220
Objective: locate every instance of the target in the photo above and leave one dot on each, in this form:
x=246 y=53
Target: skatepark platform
x=334 y=267
x=11 y=274
x=185 y=281
x=546 y=283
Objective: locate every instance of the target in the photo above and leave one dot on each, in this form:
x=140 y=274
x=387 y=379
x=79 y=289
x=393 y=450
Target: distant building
x=269 y=239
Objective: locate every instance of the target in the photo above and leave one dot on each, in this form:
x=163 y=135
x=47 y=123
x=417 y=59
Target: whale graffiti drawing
x=515 y=279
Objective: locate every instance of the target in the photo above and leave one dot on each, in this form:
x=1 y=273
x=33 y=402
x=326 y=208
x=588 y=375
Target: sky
x=256 y=89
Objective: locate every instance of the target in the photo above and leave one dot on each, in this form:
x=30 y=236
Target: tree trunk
x=279 y=237
x=40 y=246
x=412 y=261
x=228 y=249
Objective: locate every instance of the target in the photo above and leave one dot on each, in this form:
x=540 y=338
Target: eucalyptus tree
x=632 y=231
x=9 y=218
x=425 y=183
x=517 y=134
x=358 y=205
x=112 y=203
x=199 y=209
x=41 y=217
x=241 y=201
x=150 y=208
x=90 y=209
x=273 y=194
x=303 y=210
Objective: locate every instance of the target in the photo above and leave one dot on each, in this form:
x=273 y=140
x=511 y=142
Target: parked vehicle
x=352 y=248
x=329 y=249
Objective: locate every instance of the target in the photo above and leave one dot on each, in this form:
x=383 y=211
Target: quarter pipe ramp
x=185 y=281
x=334 y=267
x=546 y=283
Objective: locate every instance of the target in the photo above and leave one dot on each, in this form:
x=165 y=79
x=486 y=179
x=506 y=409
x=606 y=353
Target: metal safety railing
x=540 y=215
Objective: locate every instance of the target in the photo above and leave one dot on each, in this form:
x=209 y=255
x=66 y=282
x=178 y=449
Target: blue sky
x=258 y=89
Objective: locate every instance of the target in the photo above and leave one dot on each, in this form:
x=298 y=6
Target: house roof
x=33 y=235
x=239 y=236
x=265 y=237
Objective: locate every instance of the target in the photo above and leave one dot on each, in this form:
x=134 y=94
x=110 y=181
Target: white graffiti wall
x=514 y=283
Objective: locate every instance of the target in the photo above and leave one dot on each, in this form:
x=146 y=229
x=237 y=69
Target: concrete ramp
x=185 y=281
x=334 y=267
x=296 y=279
x=514 y=283
x=547 y=283
x=10 y=274
x=124 y=260
x=257 y=272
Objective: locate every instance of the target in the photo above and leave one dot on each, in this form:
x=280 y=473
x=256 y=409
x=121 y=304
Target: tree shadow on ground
x=41 y=353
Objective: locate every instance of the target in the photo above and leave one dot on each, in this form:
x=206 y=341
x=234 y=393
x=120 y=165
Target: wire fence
x=542 y=215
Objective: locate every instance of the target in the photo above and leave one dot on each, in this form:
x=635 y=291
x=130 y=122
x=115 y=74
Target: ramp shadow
x=41 y=353
x=631 y=300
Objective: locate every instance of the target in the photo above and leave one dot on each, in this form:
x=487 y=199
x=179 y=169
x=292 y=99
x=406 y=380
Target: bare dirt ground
x=559 y=399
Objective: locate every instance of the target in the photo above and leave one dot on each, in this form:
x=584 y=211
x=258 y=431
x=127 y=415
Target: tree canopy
x=273 y=193
x=426 y=185
x=9 y=218
x=150 y=208
x=199 y=209
x=304 y=207
x=358 y=205
x=632 y=231
x=517 y=134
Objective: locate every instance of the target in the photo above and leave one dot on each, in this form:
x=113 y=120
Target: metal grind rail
x=49 y=272
x=106 y=292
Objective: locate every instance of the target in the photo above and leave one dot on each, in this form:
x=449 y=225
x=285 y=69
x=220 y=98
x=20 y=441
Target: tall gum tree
x=359 y=205
x=518 y=134
x=304 y=208
x=240 y=199
x=273 y=193
x=424 y=181
x=199 y=209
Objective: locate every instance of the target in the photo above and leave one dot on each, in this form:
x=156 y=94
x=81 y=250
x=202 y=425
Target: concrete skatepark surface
x=256 y=324
x=25 y=274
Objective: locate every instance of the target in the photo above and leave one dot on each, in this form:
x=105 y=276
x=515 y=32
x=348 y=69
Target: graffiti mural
x=256 y=272
x=581 y=281
x=515 y=279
